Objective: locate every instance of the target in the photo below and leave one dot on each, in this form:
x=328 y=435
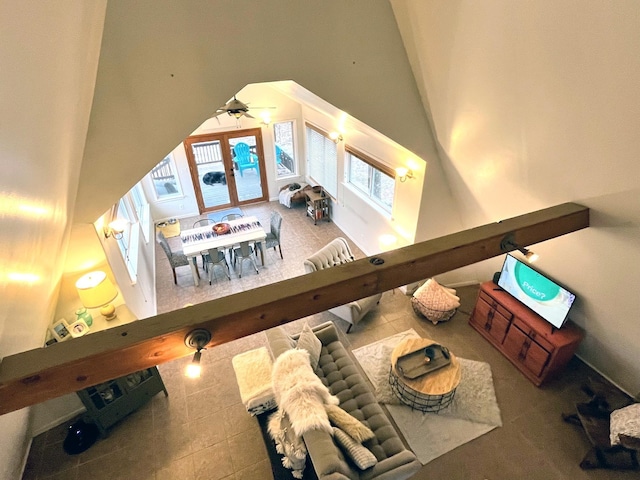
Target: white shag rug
x=473 y=412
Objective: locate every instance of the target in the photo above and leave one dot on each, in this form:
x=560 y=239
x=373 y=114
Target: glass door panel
x=208 y=173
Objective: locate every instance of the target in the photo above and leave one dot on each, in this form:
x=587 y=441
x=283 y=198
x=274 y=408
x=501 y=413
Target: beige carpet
x=473 y=412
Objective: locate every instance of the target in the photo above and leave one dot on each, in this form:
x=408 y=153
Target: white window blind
x=322 y=160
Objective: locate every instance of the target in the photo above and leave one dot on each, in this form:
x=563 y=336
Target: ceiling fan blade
x=247 y=115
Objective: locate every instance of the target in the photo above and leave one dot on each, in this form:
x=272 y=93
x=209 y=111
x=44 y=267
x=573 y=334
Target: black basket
x=417 y=400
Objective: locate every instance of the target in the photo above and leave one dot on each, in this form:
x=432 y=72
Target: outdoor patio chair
x=244 y=159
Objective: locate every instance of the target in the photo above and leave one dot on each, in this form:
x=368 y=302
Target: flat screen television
x=538 y=292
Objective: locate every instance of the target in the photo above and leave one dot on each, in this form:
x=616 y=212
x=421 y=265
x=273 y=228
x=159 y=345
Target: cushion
x=436 y=297
x=309 y=342
x=349 y=424
x=625 y=421
x=360 y=455
x=279 y=341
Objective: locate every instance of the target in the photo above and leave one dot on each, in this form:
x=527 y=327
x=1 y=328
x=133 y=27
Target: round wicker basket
x=434 y=316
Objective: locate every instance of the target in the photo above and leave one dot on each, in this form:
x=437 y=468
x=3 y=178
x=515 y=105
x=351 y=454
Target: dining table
x=199 y=240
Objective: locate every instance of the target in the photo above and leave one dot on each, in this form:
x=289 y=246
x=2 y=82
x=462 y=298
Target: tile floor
x=202 y=432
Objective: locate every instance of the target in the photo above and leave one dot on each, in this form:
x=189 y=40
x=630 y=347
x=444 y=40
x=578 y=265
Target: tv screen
x=541 y=294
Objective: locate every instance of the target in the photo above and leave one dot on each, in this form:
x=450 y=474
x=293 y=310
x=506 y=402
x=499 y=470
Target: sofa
x=338 y=252
x=338 y=372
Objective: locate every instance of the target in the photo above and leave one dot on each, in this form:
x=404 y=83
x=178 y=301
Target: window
x=141 y=208
x=165 y=180
x=128 y=242
x=322 y=160
x=371 y=177
x=283 y=133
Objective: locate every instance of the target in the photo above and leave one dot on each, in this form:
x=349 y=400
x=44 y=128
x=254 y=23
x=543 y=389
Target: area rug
x=473 y=412
x=217 y=216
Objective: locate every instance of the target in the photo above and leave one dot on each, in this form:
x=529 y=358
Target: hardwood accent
x=533 y=345
x=37 y=375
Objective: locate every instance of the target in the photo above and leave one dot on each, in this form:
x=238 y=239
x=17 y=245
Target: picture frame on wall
x=60 y=330
x=78 y=328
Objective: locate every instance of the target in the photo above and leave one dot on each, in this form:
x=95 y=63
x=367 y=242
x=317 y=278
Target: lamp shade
x=95 y=289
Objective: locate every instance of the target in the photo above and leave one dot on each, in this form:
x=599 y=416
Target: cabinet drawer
x=533 y=334
x=524 y=350
x=491 y=318
x=495 y=305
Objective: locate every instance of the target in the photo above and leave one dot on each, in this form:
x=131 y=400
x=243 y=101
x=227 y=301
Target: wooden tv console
x=533 y=345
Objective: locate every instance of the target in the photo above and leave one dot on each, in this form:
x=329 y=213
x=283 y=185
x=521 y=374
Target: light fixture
x=402 y=173
x=265 y=115
x=197 y=339
x=115 y=229
x=336 y=137
x=508 y=243
x=387 y=241
x=96 y=291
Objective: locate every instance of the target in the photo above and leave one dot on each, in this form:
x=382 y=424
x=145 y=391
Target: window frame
x=174 y=172
x=374 y=166
x=295 y=150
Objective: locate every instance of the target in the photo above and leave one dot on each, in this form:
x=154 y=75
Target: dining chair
x=176 y=259
x=202 y=223
x=216 y=256
x=244 y=252
x=231 y=216
x=273 y=237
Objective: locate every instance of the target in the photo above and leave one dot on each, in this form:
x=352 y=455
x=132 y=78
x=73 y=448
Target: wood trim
x=386 y=169
x=322 y=132
x=37 y=375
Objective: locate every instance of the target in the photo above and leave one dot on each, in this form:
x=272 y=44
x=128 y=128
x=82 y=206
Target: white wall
x=49 y=56
x=535 y=104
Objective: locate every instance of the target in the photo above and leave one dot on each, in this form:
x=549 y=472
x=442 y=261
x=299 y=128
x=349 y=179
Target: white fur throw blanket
x=301 y=397
x=253 y=373
x=300 y=393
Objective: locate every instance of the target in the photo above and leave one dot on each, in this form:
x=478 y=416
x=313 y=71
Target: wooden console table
x=533 y=345
x=318 y=206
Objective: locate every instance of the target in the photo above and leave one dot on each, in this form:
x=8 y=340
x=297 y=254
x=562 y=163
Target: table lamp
x=96 y=290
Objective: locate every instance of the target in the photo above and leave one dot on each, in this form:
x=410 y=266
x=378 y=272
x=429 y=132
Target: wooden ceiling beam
x=37 y=375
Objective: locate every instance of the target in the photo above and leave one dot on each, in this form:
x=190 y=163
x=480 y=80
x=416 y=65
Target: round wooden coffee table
x=430 y=392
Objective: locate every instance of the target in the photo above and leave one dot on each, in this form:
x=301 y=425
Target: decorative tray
x=425 y=360
x=221 y=228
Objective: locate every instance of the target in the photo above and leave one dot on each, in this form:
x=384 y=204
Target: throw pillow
x=434 y=296
x=312 y=344
x=625 y=421
x=349 y=424
x=359 y=454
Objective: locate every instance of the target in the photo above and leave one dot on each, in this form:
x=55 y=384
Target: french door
x=227 y=169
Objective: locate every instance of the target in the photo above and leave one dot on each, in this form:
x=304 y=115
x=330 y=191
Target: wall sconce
x=196 y=339
x=508 y=243
x=402 y=173
x=115 y=229
x=336 y=137
x=96 y=290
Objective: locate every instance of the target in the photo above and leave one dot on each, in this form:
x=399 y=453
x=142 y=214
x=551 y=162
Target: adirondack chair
x=245 y=159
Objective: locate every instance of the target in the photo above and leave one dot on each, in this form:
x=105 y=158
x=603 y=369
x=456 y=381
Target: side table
x=431 y=392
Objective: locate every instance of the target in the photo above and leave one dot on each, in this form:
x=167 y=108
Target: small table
x=430 y=392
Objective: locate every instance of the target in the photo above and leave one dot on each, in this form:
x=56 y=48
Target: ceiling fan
x=236 y=108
